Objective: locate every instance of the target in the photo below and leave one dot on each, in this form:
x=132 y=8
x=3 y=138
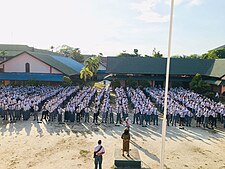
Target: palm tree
x=92 y=64
x=85 y=73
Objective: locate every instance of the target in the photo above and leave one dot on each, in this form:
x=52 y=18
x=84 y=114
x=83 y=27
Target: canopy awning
x=31 y=76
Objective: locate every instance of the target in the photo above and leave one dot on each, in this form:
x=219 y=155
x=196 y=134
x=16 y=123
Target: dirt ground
x=33 y=145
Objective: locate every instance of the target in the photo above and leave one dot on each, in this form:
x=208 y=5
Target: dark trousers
x=181 y=121
x=60 y=118
x=174 y=121
x=142 y=119
x=118 y=118
x=11 y=114
x=86 y=119
x=148 y=118
x=18 y=114
x=111 y=119
x=5 y=115
x=51 y=116
x=78 y=117
x=95 y=119
x=156 y=119
x=134 y=118
x=223 y=121
x=98 y=162
x=36 y=115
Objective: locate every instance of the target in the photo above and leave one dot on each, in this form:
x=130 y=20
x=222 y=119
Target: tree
x=3 y=53
x=210 y=55
x=193 y=56
x=136 y=52
x=198 y=85
x=156 y=54
x=67 y=81
x=92 y=63
x=52 y=47
x=85 y=73
x=177 y=56
x=214 y=54
x=221 y=53
x=147 y=56
x=71 y=52
x=124 y=54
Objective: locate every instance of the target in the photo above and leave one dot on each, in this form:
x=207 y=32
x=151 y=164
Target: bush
x=210 y=95
x=115 y=83
x=222 y=99
x=67 y=81
x=198 y=85
x=32 y=83
x=131 y=82
x=144 y=83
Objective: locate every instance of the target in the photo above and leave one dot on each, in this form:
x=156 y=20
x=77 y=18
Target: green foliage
x=177 y=56
x=32 y=83
x=147 y=56
x=210 y=55
x=210 y=95
x=67 y=81
x=71 y=52
x=156 y=54
x=143 y=83
x=198 y=85
x=84 y=153
x=222 y=98
x=131 y=82
x=52 y=48
x=221 y=53
x=136 y=52
x=85 y=73
x=115 y=83
x=193 y=56
x=3 y=53
x=126 y=55
x=93 y=63
x=177 y=84
x=214 y=54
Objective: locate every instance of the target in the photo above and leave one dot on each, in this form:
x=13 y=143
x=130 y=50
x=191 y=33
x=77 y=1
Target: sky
x=113 y=26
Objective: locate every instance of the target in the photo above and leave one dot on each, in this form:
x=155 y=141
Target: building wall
x=17 y=64
x=222 y=89
x=101 y=67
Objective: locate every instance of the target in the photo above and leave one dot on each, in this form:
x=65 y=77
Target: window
x=27 y=67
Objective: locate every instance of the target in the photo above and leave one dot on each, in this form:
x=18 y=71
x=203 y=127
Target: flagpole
x=166 y=89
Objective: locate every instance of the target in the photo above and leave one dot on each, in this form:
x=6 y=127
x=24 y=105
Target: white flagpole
x=166 y=90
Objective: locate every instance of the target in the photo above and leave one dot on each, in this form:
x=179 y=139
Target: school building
x=154 y=70
x=20 y=63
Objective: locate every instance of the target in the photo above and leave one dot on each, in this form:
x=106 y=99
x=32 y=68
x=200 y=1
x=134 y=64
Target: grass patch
x=99 y=85
x=84 y=153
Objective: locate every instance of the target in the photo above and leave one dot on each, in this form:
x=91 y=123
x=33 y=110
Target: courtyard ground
x=33 y=145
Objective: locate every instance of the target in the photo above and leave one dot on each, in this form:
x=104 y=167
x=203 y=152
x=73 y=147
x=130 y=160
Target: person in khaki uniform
x=126 y=141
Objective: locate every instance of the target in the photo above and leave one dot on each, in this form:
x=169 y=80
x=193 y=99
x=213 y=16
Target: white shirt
x=97 y=148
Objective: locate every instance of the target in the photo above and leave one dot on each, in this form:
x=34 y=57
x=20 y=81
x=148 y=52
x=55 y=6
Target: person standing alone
x=98 y=152
x=126 y=142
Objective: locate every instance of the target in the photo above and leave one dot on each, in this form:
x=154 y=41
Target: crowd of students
x=144 y=110
x=17 y=103
x=77 y=104
x=184 y=105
